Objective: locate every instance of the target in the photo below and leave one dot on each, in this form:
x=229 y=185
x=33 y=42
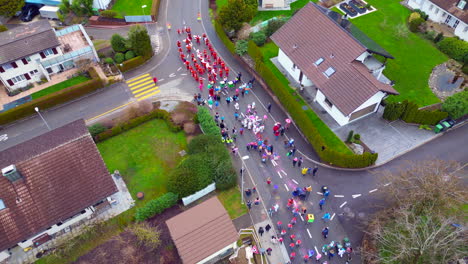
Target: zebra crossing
x=142 y=87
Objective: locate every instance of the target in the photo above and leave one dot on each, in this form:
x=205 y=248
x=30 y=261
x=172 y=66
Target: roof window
x=329 y=72
x=461 y=4
x=2 y=205
x=319 y=61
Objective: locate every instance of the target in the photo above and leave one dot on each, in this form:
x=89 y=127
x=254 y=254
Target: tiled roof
x=202 y=231
x=310 y=35
x=63 y=173
x=451 y=7
x=26 y=40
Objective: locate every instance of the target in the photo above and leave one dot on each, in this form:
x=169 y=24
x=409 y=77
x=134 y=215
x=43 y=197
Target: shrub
x=109 y=61
x=96 y=129
x=357 y=137
x=350 y=136
x=259 y=38
x=156 y=206
x=119 y=57
x=225 y=175
x=424 y=117
x=413 y=16
x=118 y=43
x=422 y=14
x=207 y=123
x=129 y=55
x=394 y=111
x=241 y=47
x=108 y=13
x=147 y=235
x=439 y=37
x=454 y=48
x=224 y=38
x=139 y=41
x=465 y=68
x=414 y=25
x=273 y=25
x=131 y=63
x=456 y=105
x=3 y=28
x=201 y=143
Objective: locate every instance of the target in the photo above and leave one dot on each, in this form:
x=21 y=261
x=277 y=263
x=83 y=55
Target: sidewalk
x=279 y=255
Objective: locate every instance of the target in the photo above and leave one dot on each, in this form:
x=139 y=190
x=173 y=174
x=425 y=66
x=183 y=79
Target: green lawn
x=221 y=3
x=231 y=199
x=415 y=57
x=144 y=156
x=59 y=86
x=132 y=7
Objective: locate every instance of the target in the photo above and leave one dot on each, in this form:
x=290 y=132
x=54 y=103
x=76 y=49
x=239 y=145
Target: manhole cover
x=304 y=107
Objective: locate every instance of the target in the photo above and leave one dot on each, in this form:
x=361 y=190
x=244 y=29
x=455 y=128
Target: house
x=203 y=233
x=97 y=4
x=319 y=48
x=34 y=51
x=48 y=184
x=453 y=13
x=273 y=4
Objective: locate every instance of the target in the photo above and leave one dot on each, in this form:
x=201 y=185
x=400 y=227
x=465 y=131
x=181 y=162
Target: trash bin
x=438 y=128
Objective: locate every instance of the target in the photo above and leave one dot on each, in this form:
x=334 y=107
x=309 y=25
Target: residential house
x=203 y=233
x=34 y=51
x=320 y=49
x=453 y=13
x=48 y=184
x=273 y=4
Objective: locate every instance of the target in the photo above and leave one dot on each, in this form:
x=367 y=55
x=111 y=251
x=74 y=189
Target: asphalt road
x=351 y=213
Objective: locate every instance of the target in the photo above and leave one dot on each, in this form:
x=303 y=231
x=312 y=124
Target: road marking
x=147 y=91
x=333 y=216
x=316 y=251
x=280 y=175
x=144 y=88
x=149 y=95
x=4 y=137
x=245 y=157
x=320 y=193
x=112 y=110
x=387 y=184
x=140 y=81
x=141 y=85
x=339 y=195
x=274 y=163
x=371 y=191
x=295 y=181
x=180 y=74
x=310 y=235
x=301 y=218
x=180 y=68
x=161 y=80
x=285 y=186
x=137 y=78
x=285 y=174
x=171 y=75
x=356 y=195
x=343 y=204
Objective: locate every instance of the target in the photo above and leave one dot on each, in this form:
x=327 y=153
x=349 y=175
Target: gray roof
x=26 y=40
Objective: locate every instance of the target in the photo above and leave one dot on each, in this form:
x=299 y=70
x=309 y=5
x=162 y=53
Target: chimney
x=11 y=173
x=344 y=21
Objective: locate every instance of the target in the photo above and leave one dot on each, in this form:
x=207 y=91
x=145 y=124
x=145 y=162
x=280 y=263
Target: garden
x=132 y=8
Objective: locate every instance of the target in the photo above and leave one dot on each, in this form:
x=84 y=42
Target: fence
x=132 y=19
x=192 y=198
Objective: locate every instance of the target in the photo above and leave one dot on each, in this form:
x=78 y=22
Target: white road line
x=333 y=216
x=309 y=234
x=356 y=195
x=316 y=251
x=180 y=74
x=160 y=80
x=343 y=204
x=339 y=195
x=320 y=193
x=284 y=172
x=274 y=163
x=180 y=68
x=387 y=184
x=171 y=75
x=285 y=186
x=280 y=174
x=245 y=157
x=295 y=181
x=371 y=191
x=301 y=218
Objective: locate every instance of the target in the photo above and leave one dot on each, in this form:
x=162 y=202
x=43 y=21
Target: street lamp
x=143 y=8
x=39 y=113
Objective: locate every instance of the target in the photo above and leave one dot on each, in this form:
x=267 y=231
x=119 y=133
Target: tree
x=139 y=41
x=118 y=43
x=241 y=46
x=119 y=57
x=456 y=105
x=273 y=26
x=236 y=12
x=454 y=48
x=10 y=7
x=259 y=38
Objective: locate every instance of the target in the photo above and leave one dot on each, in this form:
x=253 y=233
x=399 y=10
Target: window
x=461 y=4
x=18 y=78
x=465 y=29
x=329 y=72
x=7 y=66
x=33 y=72
x=456 y=24
x=444 y=14
x=2 y=205
x=319 y=61
x=436 y=11
x=328 y=103
x=430 y=8
x=294 y=67
x=49 y=70
x=48 y=52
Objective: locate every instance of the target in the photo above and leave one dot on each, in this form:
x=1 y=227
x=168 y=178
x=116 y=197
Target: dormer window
x=319 y=61
x=461 y=4
x=329 y=72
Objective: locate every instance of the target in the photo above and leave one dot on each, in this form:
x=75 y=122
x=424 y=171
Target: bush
x=3 y=28
x=119 y=57
x=118 y=43
x=192 y=175
x=413 y=16
x=465 y=69
x=201 y=143
x=156 y=206
x=350 y=136
x=439 y=37
x=139 y=41
x=207 y=123
x=108 y=13
x=241 y=47
x=147 y=235
x=224 y=38
x=456 y=105
x=422 y=14
x=96 y=129
x=273 y=26
x=129 y=55
x=131 y=63
x=454 y=48
x=394 y=111
x=259 y=38
x=414 y=25
x=357 y=137
x=424 y=117
x=109 y=61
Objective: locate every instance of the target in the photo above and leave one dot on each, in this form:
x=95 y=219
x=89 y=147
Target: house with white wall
x=317 y=48
x=273 y=4
x=453 y=13
x=35 y=51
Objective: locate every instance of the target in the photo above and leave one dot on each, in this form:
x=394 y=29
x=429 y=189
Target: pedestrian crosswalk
x=143 y=87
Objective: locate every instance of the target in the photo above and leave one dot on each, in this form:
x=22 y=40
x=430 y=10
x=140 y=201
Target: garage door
x=362 y=112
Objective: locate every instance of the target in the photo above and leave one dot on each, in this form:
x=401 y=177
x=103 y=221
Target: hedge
x=455 y=48
x=155 y=9
x=156 y=206
x=456 y=105
x=410 y=113
x=52 y=99
x=224 y=38
x=207 y=122
x=131 y=63
x=122 y=127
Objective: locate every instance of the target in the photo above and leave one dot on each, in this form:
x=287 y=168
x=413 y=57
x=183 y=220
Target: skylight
x=2 y=204
x=319 y=61
x=329 y=72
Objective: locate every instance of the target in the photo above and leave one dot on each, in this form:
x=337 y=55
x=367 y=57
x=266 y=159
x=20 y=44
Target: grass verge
x=132 y=8
x=231 y=199
x=59 y=86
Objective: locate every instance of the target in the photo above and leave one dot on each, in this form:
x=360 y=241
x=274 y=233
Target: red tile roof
x=63 y=173
x=451 y=7
x=310 y=35
x=202 y=231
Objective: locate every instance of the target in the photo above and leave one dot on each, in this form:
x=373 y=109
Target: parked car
x=29 y=12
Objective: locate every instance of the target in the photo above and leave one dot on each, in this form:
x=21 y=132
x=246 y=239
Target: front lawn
x=59 y=86
x=144 y=156
x=132 y=8
x=415 y=57
x=231 y=200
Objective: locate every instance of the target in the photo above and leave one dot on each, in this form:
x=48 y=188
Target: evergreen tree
x=118 y=43
x=10 y=7
x=139 y=41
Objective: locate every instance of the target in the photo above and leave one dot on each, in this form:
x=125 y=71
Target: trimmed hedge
x=131 y=63
x=207 y=122
x=410 y=113
x=156 y=206
x=122 y=127
x=52 y=99
x=155 y=9
x=224 y=38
